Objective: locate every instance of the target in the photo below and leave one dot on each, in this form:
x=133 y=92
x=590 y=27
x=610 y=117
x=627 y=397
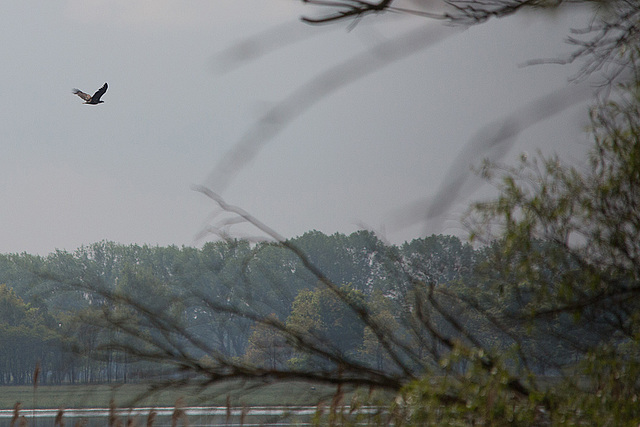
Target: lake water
x=197 y=416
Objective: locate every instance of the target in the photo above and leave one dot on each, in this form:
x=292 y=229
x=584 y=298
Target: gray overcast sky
x=74 y=174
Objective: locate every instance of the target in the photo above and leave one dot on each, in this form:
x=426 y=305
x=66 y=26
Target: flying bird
x=95 y=99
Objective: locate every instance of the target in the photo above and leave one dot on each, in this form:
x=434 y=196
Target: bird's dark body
x=92 y=100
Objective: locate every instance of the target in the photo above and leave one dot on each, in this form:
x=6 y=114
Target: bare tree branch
x=316 y=89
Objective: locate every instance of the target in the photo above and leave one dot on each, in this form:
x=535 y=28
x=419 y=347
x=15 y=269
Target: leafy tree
x=27 y=338
x=327 y=320
x=267 y=348
x=446 y=258
x=580 y=288
x=19 y=271
x=356 y=259
x=372 y=349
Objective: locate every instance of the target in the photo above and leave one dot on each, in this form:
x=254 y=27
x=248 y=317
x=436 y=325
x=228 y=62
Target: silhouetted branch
x=317 y=88
x=494 y=141
x=387 y=340
x=349 y=9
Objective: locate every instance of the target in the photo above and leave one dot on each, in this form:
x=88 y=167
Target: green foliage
x=566 y=269
x=326 y=317
x=110 y=303
x=27 y=336
x=372 y=350
x=267 y=347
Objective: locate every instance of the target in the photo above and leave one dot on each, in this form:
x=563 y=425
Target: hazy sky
x=73 y=174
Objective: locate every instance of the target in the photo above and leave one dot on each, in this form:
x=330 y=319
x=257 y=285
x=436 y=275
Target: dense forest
x=52 y=306
x=433 y=319
x=64 y=311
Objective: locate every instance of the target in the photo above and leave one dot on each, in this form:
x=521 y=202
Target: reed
x=36 y=376
x=179 y=414
x=16 y=413
x=59 y=421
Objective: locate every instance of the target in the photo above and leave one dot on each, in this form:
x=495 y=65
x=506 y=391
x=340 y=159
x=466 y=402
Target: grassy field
x=91 y=396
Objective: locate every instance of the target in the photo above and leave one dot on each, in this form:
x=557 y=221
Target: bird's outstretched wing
x=96 y=96
x=82 y=95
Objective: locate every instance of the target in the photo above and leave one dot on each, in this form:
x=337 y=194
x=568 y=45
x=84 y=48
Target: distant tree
x=446 y=258
x=267 y=348
x=28 y=338
x=357 y=258
x=372 y=351
x=325 y=318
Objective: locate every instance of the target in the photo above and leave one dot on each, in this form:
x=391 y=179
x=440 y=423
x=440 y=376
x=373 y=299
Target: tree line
x=55 y=308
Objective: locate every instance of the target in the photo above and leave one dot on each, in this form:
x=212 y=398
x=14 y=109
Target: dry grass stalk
x=151 y=417
x=59 y=421
x=336 y=406
x=179 y=414
x=132 y=420
x=36 y=376
x=228 y=409
x=243 y=415
x=16 y=413
x=114 y=421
